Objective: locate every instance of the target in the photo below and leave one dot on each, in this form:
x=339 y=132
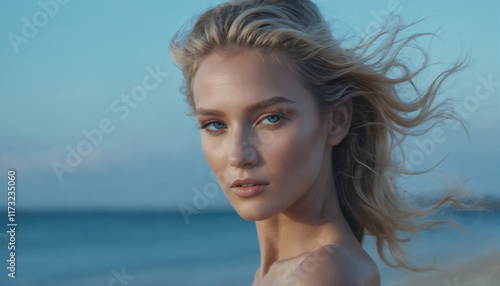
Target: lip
x=245 y=192
x=249 y=191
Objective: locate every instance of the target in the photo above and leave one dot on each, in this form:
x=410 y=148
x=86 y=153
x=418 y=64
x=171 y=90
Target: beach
x=484 y=271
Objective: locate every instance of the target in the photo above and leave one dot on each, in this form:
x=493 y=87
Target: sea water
x=127 y=249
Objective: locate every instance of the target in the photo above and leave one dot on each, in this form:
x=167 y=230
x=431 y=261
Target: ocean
x=128 y=249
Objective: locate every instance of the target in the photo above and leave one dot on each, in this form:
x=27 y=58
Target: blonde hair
x=363 y=165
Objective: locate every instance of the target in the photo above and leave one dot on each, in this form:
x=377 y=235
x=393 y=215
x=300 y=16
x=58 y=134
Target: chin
x=249 y=211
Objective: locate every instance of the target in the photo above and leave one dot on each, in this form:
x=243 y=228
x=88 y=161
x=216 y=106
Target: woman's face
x=282 y=143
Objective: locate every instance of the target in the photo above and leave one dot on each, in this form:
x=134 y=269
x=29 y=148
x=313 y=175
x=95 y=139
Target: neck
x=313 y=220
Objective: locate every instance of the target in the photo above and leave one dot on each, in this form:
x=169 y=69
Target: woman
x=301 y=134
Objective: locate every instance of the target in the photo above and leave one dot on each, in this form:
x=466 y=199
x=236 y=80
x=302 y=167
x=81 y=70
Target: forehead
x=241 y=78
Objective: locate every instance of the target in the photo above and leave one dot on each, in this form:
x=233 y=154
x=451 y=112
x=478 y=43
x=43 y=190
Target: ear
x=339 y=123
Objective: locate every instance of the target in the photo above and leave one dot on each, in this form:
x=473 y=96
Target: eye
x=217 y=125
x=272 y=118
x=275 y=121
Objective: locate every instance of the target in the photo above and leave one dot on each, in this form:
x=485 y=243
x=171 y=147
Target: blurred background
x=106 y=160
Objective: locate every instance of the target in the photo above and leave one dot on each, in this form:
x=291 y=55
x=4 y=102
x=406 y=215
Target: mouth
x=249 y=190
x=248 y=187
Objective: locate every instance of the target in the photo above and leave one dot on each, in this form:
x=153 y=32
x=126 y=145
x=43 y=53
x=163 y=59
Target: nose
x=242 y=152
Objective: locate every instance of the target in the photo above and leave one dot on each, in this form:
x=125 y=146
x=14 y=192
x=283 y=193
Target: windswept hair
x=364 y=165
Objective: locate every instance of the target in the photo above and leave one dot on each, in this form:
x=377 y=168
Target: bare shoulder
x=332 y=265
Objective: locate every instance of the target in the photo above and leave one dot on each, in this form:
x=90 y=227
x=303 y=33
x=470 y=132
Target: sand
x=483 y=271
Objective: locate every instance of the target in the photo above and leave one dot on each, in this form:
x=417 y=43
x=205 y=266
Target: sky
x=67 y=70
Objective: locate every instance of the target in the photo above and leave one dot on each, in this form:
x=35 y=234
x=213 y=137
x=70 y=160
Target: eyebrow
x=255 y=106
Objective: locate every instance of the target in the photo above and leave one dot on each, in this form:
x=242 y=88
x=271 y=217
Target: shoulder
x=332 y=265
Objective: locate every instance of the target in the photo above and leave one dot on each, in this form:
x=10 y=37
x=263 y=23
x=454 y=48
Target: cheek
x=216 y=154
x=295 y=158
x=213 y=153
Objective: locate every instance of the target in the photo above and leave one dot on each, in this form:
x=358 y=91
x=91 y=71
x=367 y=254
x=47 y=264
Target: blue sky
x=71 y=73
